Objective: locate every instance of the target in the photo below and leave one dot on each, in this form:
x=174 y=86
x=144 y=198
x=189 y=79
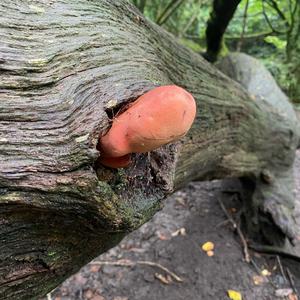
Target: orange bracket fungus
x=158 y=117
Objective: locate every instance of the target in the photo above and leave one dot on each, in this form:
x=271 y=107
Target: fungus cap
x=156 y=118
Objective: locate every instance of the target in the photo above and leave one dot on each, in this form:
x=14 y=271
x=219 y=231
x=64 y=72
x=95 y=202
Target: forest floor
x=192 y=216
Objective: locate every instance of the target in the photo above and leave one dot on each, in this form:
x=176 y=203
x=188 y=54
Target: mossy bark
x=65 y=67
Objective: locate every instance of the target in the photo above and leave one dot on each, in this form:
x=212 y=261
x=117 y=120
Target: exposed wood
x=65 y=68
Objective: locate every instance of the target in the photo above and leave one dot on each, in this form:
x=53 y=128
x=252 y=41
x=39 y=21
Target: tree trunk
x=293 y=54
x=222 y=13
x=65 y=68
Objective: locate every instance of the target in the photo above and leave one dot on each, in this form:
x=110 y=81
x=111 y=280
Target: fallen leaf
x=234 y=295
x=97 y=297
x=92 y=295
x=164 y=279
x=88 y=294
x=180 y=231
x=180 y=201
x=111 y=103
x=293 y=297
x=265 y=272
x=138 y=250
x=208 y=246
x=95 y=268
x=283 y=292
x=233 y=210
x=162 y=236
x=258 y=280
x=79 y=279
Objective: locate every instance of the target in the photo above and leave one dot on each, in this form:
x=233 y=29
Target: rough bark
x=66 y=67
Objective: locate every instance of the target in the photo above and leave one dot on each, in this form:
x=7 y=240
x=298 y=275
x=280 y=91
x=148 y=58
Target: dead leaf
x=164 y=279
x=97 y=297
x=180 y=200
x=258 y=280
x=180 y=231
x=138 y=250
x=282 y=293
x=79 y=279
x=265 y=272
x=233 y=210
x=94 y=268
x=208 y=246
x=88 y=294
x=234 y=295
x=293 y=297
x=92 y=295
x=161 y=236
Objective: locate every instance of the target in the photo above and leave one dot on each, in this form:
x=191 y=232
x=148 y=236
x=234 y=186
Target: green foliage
x=276 y=41
x=262 y=30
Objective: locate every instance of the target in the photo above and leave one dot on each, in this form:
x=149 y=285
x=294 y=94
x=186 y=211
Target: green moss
x=192 y=45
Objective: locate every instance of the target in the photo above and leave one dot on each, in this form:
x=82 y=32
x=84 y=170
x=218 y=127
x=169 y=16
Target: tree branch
x=273 y=4
x=240 y=43
x=268 y=20
x=168 y=11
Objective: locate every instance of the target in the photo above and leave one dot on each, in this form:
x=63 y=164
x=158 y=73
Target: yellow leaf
x=208 y=246
x=265 y=272
x=234 y=295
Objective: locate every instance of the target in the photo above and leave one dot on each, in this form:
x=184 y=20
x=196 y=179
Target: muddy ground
x=173 y=239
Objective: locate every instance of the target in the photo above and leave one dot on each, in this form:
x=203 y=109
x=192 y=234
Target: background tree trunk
x=222 y=13
x=65 y=68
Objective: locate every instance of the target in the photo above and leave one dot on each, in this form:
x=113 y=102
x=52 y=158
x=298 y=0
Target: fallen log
x=66 y=69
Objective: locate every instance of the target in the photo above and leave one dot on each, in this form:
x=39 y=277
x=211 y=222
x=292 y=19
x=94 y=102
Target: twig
x=168 y=11
x=239 y=231
x=268 y=20
x=255 y=266
x=257 y=269
x=240 y=42
x=130 y=263
x=291 y=280
x=192 y=19
x=273 y=4
x=281 y=268
x=223 y=223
